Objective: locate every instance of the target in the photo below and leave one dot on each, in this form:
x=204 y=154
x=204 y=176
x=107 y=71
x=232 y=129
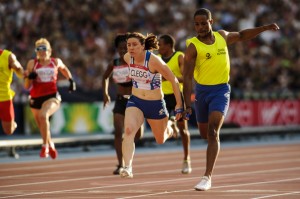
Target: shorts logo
x=161 y=111
x=227 y=95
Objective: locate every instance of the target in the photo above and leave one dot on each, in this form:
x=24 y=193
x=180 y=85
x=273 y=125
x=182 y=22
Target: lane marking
x=276 y=195
x=145 y=165
x=217 y=187
x=166 y=181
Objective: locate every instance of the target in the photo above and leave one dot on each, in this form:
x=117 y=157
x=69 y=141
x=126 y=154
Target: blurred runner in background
x=41 y=76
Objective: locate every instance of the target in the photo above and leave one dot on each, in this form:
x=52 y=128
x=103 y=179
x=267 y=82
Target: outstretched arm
x=247 y=34
x=29 y=69
x=158 y=65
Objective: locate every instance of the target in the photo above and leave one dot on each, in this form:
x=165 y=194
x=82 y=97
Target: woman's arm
x=66 y=73
x=157 y=64
x=29 y=69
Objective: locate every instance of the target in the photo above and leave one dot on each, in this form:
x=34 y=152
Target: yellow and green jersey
x=173 y=64
x=212 y=65
x=6 y=77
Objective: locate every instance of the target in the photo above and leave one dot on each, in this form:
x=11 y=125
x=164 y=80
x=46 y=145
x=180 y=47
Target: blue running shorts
x=152 y=109
x=211 y=98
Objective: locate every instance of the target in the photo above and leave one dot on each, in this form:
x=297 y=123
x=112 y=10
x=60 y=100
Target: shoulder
x=223 y=33
x=58 y=62
x=155 y=58
x=6 y=53
x=179 y=53
x=189 y=41
x=127 y=58
x=191 y=50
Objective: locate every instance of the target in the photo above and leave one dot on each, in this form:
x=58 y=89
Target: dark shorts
x=37 y=102
x=170 y=100
x=120 y=105
x=152 y=109
x=211 y=98
x=7 y=113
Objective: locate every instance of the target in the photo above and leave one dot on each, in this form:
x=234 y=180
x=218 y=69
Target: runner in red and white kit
x=41 y=76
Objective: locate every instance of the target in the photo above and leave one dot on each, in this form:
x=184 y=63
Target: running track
x=256 y=172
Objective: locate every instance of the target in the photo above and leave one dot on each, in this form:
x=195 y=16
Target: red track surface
x=257 y=172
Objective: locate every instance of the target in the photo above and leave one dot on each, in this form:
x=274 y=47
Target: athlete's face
x=203 y=25
x=122 y=48
x=134 y=47
x=43 y=51
x=163 y=47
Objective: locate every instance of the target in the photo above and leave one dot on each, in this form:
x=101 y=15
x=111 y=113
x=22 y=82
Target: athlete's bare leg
x=9 y=127
x=185 y=138
x=161 y=129
x=134 y=119
x=211 y=132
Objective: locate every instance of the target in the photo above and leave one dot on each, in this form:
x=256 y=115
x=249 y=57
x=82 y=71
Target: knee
x=185 y=132
x=42 y=116
x=213 y=135
x=128 y=132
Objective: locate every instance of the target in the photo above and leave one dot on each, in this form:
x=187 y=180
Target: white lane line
x=277 y=195
x=86 y=161
x=217 y=187
x=165 y=182
x=147 y=165
x=144 y=173
x=100 y=187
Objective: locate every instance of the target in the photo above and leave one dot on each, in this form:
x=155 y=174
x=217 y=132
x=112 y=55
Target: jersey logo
x=208 y=56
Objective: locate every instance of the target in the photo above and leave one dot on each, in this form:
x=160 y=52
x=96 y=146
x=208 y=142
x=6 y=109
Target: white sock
x=52 y=145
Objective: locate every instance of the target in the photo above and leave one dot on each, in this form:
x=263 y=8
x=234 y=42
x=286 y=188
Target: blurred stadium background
x=264 y=72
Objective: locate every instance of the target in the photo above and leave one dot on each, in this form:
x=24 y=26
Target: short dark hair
x=168 y=39
x=120 y=38
x=203 y=11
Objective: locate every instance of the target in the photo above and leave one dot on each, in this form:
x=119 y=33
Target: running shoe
x=126 y=172
x=117 y=170
x=204 y=184
x=186 y=167
x=52 y=152
x=44 y=152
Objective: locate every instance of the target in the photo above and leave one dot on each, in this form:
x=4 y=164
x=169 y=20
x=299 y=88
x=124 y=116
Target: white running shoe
x=126 y=172
x=186 y=167
x=204 y=184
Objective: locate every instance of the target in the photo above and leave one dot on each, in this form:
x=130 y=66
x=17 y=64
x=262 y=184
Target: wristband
x=179 y=110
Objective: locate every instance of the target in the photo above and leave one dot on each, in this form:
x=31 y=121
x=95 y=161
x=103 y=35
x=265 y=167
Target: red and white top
x=45 y=83
x=142 y=77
